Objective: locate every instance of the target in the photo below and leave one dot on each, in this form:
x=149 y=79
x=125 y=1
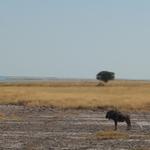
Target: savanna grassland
x=128 y=95
x=57 y=127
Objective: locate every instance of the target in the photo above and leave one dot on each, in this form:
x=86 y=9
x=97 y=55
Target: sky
x=75 y=38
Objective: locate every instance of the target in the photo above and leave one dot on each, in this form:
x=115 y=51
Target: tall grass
x=129 y=95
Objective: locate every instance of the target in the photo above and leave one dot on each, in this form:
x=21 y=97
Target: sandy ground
x=42 y=128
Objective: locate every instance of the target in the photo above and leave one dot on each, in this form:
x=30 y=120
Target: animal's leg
x=128 y=123
x=115 y=125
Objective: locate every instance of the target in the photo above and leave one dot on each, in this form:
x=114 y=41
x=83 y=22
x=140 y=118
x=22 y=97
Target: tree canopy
x=105 y=76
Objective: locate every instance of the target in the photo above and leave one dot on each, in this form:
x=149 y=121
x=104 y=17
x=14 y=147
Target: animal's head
x=110 y=114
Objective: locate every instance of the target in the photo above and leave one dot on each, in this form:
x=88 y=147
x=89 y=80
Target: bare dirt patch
x=50 y=128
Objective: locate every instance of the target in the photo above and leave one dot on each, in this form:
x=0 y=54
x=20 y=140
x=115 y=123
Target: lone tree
x=105 y=76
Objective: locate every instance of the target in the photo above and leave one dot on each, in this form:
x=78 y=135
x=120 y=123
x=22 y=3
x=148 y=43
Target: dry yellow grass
x=129 y=95
x=10 y=117
x=2 y=116
x=107 y=135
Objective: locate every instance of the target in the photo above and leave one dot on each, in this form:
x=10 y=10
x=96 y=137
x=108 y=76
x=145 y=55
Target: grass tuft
x=107 y=135
x=2 y=116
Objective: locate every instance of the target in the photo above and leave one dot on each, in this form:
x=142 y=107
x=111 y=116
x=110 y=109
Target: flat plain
x=71 y=115
x=128 y=95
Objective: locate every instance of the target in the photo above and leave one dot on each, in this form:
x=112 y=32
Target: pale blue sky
x=75 y=38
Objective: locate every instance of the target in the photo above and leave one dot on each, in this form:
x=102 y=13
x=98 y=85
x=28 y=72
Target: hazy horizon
x=75 y=39
x=46 y=78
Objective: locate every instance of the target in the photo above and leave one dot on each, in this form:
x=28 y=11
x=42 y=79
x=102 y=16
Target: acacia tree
x=105 y=76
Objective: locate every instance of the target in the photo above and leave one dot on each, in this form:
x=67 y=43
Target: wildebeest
x=118 y=116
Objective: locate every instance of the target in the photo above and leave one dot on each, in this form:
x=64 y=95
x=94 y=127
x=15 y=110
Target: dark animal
x=117 y=116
